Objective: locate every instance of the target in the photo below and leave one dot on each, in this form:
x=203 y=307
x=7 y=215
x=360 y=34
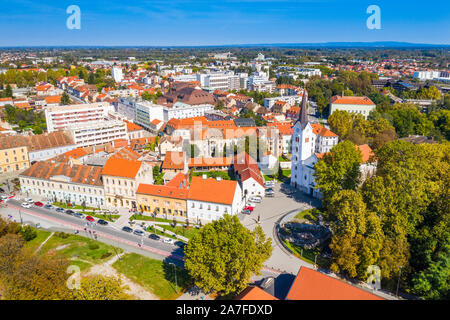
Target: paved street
x=270 y=211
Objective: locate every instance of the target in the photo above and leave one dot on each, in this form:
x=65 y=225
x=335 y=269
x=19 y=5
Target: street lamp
x=175 y=269
x=315 y=261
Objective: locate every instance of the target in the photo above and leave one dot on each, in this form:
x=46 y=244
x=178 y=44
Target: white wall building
x=98 y=132
x=60 y=117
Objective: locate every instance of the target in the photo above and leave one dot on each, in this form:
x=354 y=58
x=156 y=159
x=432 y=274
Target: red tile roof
x=211 y=190
x=174 y=160
x=162 y=191
x=313 y=285
x=366 y=152
x=351 y=100
x=254 y=293
x=118 y=167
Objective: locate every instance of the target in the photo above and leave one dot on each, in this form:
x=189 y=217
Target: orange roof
x=211 y=190
x=173 y=160
x=180 y=178
x=6 y=99
x=254 y=293
x=119 y=167
x=322 y=131
x=162 y=191
x=76 y=153
x=22 y=105
x=313 y=285
x=210 y=162
x=366 y=152
x=351 y=100
x=132 y=126
x=53 y=99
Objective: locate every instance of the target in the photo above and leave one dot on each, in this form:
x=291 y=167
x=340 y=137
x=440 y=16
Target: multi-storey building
x=64 y=182
x=121 y=179
x=13 y=156
x=361 y=105
x=98 y=132
x=61 y=117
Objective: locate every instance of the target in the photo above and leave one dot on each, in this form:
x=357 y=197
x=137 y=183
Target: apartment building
x=98 y=132
x=13 y=157
x=361 y=105
x=61 y=117
x=121 y=178
x=65 y=182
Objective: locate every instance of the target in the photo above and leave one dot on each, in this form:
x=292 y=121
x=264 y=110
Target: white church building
x=309 y=142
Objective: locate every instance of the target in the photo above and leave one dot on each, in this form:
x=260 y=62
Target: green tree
x=338 y=170
x=100 y=287
x=224 y=254
x=341 y=123
x=65 y=99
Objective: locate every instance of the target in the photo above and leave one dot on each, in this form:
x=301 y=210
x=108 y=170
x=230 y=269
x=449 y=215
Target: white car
x=26 y=205
x=255 y=199
x=29 y=200
x=269 y=184
x=169 y=240
x=4 y=197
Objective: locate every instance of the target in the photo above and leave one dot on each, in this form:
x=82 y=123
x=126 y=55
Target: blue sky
x=220 y=22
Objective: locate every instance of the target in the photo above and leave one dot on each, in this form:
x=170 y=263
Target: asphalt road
x=108 y=232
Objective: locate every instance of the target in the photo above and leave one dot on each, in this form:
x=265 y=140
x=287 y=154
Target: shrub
x=62 y=235
x=28 y=233
x=93 y=246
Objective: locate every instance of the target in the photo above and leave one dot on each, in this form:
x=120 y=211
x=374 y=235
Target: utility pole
x=20 y=213
x=398 y=282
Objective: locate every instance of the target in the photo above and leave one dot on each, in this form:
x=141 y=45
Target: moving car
x=26 y=205
x=154 y=237
x=168 y=240
x=78 y=215
x=181 y=244
x=89 y=218
x=102 y=222
x=69 y=212
x=48 y=206
x=127 y=229
x=59 y=209
x=38 y=204
x=139 y=232
x=29 y=200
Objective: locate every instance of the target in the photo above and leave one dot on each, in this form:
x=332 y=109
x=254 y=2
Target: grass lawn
x=308 y=255
x=160 y=233
x=149 y=218
x=106 y=217
x=41 y=236
x=64 y=205
x=179 y=230
x=155 y=275
x=78 y=248
x=310 y=214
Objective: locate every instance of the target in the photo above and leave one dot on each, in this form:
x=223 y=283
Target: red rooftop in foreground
x=313 y=285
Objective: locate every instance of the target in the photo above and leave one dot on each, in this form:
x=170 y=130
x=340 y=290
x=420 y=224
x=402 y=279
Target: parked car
x=78 y=215
x=69 y=212
x=89 y=218
x=127 y=229
x=168 y=240
x=139 y=232
x=3 y=197
x=154 y=237
x=246 y=211
x=26 y=205
x=255 y=199
x=269 y=190
x=48 y=206
x=59 y=209
x=250 y=208
x=102 y=222
x=29 y=200
x=270 y=195
x=2 y=190
x=269 y=183
x=38 y=204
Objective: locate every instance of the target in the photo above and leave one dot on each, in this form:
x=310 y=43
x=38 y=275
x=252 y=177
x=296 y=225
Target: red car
x=249 y=208
x=89 y=218
x=38 y=204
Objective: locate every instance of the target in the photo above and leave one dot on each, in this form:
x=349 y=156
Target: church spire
x=303 y=118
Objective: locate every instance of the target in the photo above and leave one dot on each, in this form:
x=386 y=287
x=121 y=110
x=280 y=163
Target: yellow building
x=13 y=158
x=170 y=199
